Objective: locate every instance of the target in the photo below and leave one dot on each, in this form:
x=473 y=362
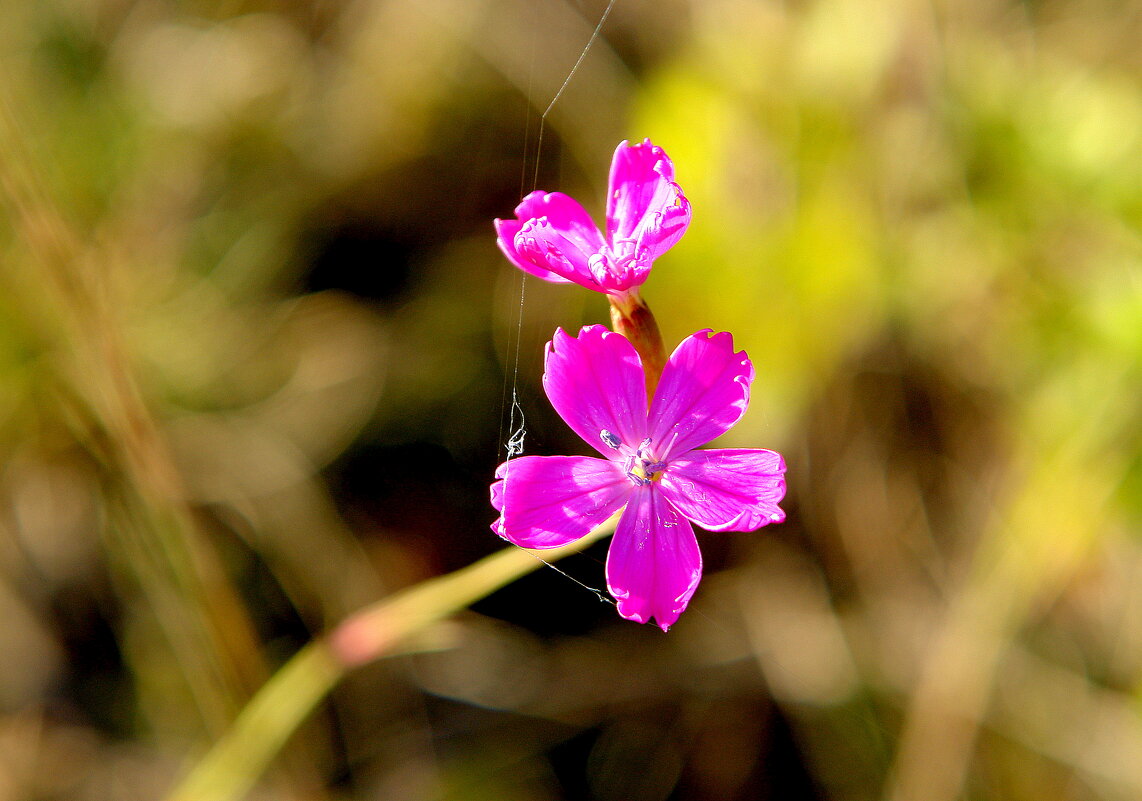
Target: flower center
x=643 y=473
x=642 y=467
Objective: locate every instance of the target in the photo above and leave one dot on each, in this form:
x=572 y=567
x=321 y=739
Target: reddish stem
x=631 y=317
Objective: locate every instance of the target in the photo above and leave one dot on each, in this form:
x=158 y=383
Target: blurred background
x=256 y=337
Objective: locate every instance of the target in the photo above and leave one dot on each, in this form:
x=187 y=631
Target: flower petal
x=646 y=211
x=727 y=489
x=595 y=382
x=654 y=565
x=703 y=392
x=548 y=501
x=506 y=231
x=554 y=238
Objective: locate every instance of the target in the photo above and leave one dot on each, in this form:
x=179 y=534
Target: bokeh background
x=256 y=340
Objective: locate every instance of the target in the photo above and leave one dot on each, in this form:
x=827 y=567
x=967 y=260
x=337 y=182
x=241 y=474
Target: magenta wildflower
x=595 y=382
x=555 y=239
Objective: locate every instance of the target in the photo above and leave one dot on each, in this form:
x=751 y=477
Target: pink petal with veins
x=646 y=211
x=654 y=565
x=553 y=238
x=703 y=392
x=595 y=382
x=548 y=501
x=727 y=489
x=506 y=231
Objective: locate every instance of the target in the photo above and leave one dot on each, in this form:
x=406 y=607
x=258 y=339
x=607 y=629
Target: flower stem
x=236 y=761
x=631 y=317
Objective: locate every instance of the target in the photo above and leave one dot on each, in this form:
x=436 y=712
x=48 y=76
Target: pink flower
x=554 y=238
x=595 y=382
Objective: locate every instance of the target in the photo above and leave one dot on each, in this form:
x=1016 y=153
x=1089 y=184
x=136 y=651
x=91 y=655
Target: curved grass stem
x=236 y=761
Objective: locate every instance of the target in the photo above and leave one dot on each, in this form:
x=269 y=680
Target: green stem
x=230 y=768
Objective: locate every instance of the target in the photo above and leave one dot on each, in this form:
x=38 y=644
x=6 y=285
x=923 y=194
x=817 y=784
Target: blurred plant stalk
x=238 y=759
x=66 y=288
x=1035 y=545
